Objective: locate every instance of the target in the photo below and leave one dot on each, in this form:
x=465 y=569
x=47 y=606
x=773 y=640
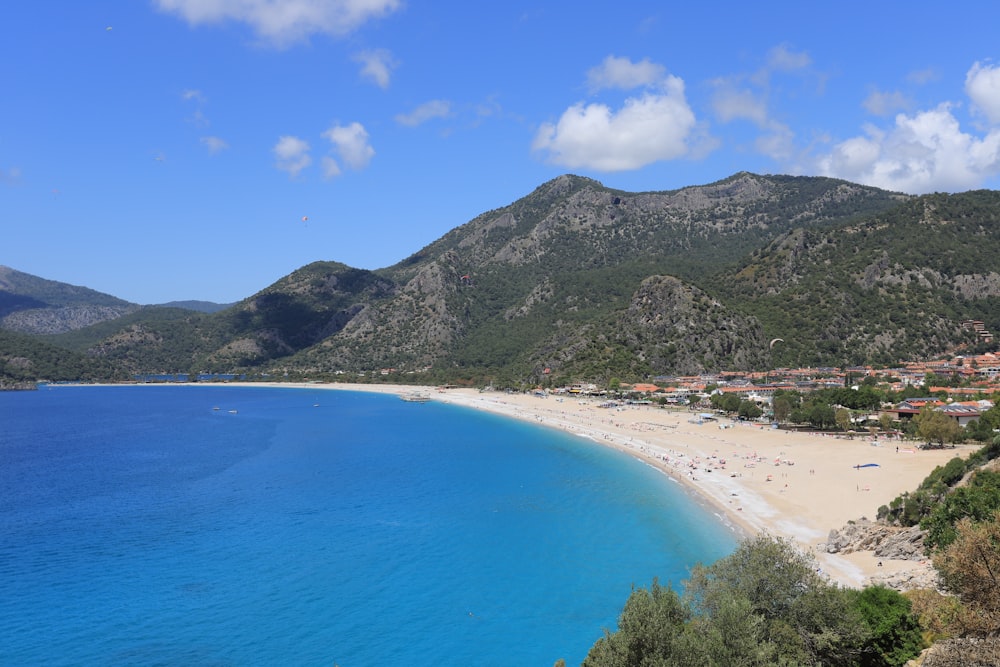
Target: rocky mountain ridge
x=578 y=281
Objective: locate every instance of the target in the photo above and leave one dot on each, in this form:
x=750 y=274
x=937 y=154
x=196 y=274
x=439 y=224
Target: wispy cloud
x=10 y=175
x=751 y=96
x=284 y=22
x=376 y=66
x=623 y=74
x=783 y=58
x=197 y=98
x=886 y=103
x=425 y=112
x=732 y=102
x=292 y=155
x=214 y=144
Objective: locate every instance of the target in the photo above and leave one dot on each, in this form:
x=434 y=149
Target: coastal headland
x=758 y=479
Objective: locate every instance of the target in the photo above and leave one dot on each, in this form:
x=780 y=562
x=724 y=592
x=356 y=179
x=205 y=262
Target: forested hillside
x=577 y=281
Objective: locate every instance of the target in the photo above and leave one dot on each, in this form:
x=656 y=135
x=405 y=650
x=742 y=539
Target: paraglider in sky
x=773 y=341
x=305 y=218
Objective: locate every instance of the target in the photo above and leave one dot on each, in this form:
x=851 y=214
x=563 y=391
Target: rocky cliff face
x=61 y=320
x=678 y=326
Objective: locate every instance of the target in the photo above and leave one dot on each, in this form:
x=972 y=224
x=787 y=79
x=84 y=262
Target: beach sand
x=795 y=485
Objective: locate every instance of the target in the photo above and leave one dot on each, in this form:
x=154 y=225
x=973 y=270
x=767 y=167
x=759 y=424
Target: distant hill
x=34 y=305
x=579 y=281
x=198 y=306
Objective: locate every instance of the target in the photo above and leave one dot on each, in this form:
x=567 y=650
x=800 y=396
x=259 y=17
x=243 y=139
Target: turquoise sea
x=142 y=526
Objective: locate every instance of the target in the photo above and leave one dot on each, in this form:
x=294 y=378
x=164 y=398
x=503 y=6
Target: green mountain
x=25 y=359
x=574 y=278
x=577 y=281
x=895 y=285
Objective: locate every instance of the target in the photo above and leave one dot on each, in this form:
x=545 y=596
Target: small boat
x=415 y=398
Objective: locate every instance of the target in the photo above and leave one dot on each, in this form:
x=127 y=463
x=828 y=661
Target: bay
x=221 y=525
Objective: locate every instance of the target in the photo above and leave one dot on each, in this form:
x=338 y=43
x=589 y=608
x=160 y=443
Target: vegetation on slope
x=765 y=604
x=578 y=282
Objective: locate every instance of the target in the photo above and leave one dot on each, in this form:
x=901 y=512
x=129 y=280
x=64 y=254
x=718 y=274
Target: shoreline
x=799 y=486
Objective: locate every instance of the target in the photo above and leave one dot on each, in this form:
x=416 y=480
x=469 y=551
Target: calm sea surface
x=142 y=526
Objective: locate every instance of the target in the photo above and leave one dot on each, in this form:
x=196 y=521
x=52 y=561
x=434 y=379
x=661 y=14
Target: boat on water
x=415 y=398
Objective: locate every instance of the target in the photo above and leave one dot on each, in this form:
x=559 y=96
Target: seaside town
x=961 y=387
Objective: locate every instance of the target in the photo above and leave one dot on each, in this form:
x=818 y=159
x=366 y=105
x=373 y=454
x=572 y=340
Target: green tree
x=648 y=629
x=979 y=429
x=977 y=500
x=782 y=406
x=730 y=403
x=843 y=418
x=821 y=415
x=749 y=410
x=885 y=421
x=935 y=426
x=735 y=635
x=806 y=620
x=895 y=633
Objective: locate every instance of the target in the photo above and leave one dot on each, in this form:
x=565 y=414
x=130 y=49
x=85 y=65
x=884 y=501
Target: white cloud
x=425 y=112
x=192 y=95
x=879 y=103
x=646 y=129
x=350 y=144
x=292 y=155
x=982 y=85
x=925 y=152
x=214 y=144
x=376 y=65
x=282 y=22
x=623 y=74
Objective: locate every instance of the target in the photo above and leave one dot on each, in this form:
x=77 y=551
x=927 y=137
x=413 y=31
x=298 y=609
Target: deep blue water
x=140 y=526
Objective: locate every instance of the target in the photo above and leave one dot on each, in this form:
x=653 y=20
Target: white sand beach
x=795 y=485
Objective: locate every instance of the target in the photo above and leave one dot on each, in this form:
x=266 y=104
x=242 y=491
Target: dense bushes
x=766 y=604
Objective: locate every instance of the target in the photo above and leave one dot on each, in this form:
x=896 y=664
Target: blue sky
x=161 y=150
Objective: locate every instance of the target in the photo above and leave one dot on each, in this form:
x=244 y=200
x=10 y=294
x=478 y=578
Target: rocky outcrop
x=917 y=578
x=965 y=652
x=885 y=541
x=61 y=320
x=673 y=324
